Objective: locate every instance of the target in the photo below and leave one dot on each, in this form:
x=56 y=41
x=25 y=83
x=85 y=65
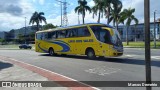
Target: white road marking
x=153 y=57
x=103 y=70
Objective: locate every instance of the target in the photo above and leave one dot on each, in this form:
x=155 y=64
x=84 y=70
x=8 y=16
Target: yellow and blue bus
x=91 y=39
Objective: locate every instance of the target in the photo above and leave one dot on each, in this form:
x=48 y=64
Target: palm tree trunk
x=113 y=23
x=117 y=25
x=83 y=18
x=83 y=12
x=135 y=33
x=37 y=26
x=108 y=15
x=99 y=17
x=127 y=36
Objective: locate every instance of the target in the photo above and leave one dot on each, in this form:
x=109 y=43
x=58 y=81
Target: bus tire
x=90 y=54
x=101 y=57
x=63 y=55
x=51 y=52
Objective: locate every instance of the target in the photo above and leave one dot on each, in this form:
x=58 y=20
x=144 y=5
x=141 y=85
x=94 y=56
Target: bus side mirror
x=110 y=30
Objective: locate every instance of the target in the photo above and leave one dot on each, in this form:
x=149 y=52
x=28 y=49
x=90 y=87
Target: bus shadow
x=113 y=60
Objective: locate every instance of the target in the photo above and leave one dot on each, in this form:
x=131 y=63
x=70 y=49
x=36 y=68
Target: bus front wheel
x=51 y=52
x=91 y=54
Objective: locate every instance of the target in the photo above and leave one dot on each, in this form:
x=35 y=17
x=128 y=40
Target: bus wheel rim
x=51 y=52
x=90 y=54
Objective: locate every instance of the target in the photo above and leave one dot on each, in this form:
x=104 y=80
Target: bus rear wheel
x=91 y=54
x=51 y=52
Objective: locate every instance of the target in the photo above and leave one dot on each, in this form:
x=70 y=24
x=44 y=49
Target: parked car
x=25 y=46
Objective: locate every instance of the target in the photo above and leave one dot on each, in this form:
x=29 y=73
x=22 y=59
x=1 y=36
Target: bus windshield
x=104 y=35
x=116 y=39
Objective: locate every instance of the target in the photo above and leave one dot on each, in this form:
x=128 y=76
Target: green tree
x=31 y=36
x=37 y=18
x=127 y=15
x=82 y=8
x=98 y=8
x=115 y=14
x=2 y=41
x=21 y=38
x=108 y=4
x=48 y=26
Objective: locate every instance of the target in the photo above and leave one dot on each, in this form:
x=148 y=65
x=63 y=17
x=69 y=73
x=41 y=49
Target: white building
x=137 y=33
x=3 y=35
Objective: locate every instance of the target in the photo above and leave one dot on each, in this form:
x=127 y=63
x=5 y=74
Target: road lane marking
x=153 y=57
x=51 y=75
x=103 y=70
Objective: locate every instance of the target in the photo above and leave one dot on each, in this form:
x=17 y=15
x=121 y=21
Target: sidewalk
x=10 y=72
x=23 y=76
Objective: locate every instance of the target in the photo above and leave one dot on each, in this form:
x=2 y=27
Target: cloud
x=41 y=2
x=10 y=7
x=12 y=14
x=91 y=3
x=139 y=8
x=73 y=19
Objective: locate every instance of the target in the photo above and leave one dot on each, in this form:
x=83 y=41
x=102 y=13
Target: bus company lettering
x=80 y=41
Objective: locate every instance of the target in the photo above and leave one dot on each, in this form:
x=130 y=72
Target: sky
x=13 y=12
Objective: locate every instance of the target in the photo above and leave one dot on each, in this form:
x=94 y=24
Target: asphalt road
x=129 y=67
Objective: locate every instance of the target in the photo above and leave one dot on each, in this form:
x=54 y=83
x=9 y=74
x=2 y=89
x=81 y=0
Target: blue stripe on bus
x=46 y=51
x=62 y=42
x=65 y=47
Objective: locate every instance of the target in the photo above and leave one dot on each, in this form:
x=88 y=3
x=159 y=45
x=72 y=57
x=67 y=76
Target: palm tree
x=37 y=18
x=115 y=14
x=108 y=4
x=127 y=14
x=98 y=8
x=82 y=8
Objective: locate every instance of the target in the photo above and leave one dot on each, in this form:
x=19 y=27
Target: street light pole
x=25 y=31
x=147 y=42
x=155 y=29
x=78 y=19
x=61 y=14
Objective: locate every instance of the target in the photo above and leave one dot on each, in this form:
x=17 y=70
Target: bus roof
x=75 y=26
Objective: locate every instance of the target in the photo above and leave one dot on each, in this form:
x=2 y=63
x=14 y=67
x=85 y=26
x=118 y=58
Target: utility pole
x=61 y=10
x=155 y=29
x=64 y=21
x=65 y=18
x=147 y=42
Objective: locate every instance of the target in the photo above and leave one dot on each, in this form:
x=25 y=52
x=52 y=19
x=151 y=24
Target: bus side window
x=105 y=36
x=44 y=36
x=96 y=31
x=86 y=32
x=39 y=36
x=73 y=33
x=52 y=35
x=68 y=33
x=61 y=34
